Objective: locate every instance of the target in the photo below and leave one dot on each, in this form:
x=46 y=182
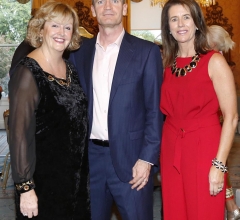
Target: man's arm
x=153 y=125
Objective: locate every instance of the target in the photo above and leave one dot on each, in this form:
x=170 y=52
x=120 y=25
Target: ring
x=25 y=214
x=144 y=181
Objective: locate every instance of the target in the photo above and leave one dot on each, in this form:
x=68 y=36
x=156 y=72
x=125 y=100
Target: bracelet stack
x=219 y=165
x=229 y=193
x=25 y=187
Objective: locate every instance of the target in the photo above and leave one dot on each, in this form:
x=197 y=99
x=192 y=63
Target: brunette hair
x=170 y=44
x=49 y=11
x=219 y=38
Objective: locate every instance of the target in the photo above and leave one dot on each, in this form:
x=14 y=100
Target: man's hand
x=28 y=204
x=141 y=171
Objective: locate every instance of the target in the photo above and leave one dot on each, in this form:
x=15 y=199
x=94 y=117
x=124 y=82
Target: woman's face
x=181 y=24
x=57 y=33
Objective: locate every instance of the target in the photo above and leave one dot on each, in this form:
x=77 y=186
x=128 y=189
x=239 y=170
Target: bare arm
x=224 y=86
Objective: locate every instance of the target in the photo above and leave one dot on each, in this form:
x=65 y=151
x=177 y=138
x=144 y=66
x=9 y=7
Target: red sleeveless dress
x=190 y=141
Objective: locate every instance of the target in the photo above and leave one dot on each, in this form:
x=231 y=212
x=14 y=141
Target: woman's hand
x=216 y=181
x=29 y=204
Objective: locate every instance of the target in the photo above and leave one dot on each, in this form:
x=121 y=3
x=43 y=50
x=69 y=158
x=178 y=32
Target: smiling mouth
x=60 y=40
x=182 y=32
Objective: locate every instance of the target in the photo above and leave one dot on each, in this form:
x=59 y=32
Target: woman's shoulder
x=209 y=54
x=30 y=63
x=21 y=76
x=205 y=58
x=28 y=67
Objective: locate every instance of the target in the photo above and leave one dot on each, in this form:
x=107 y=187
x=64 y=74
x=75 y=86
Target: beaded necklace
x=188 y=68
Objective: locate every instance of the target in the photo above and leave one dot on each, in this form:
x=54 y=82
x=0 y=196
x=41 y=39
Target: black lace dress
x=48 y=141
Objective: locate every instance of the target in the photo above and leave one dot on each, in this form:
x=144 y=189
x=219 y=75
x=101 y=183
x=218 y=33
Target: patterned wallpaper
x=231 y=10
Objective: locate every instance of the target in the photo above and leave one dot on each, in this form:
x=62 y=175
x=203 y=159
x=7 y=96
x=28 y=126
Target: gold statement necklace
x=59 y=81
x=188 y=68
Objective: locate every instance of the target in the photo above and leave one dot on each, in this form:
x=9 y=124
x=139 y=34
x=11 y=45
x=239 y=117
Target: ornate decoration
x=85 y=19
x=160 y=2
x=214 y=16
x=204 y=3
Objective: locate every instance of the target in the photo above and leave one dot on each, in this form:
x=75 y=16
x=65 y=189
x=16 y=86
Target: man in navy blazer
x=121 y=75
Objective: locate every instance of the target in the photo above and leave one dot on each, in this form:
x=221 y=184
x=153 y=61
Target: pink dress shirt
x=102 y=76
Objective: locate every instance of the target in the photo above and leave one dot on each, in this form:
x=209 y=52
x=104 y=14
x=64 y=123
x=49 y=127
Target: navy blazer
x=134 y=117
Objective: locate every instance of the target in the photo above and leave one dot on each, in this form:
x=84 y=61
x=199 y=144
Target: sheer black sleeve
x=24 y=98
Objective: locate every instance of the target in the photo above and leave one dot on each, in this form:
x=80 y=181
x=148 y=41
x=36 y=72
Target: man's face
x=109 y=13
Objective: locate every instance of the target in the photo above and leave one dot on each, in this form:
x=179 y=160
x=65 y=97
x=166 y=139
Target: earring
x=40 y=39
x=170 y=32
x=196 y=28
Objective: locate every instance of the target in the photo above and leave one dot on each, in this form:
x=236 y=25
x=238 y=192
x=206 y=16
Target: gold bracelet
x=25 y=187
x=229 y=192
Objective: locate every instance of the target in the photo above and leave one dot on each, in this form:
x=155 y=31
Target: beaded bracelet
x=25 y=187
x=219 y=165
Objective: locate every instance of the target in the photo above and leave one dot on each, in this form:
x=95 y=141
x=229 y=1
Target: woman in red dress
x=197 y=81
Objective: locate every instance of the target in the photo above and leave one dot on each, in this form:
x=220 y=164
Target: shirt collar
x=117 y=42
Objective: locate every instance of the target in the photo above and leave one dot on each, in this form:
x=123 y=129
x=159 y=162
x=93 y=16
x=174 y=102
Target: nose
x=61 y=30
x=108 y=4
x=180 y=23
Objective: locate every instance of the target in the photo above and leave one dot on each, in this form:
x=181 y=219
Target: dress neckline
x=51 y=77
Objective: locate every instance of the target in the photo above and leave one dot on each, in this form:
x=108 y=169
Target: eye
x=173 y=19
x=100 y=2
x=54 y=25
x=186 y=17
x=115 y=1
x=69 y=28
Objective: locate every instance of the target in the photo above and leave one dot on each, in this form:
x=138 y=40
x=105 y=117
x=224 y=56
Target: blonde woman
x=48 y=122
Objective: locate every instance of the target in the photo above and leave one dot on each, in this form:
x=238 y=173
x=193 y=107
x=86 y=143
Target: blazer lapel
x=89 y=59
x=124 y=59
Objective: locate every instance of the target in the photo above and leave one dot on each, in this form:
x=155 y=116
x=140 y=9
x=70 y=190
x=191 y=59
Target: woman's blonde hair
x=219 y=38
x=47 y=12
